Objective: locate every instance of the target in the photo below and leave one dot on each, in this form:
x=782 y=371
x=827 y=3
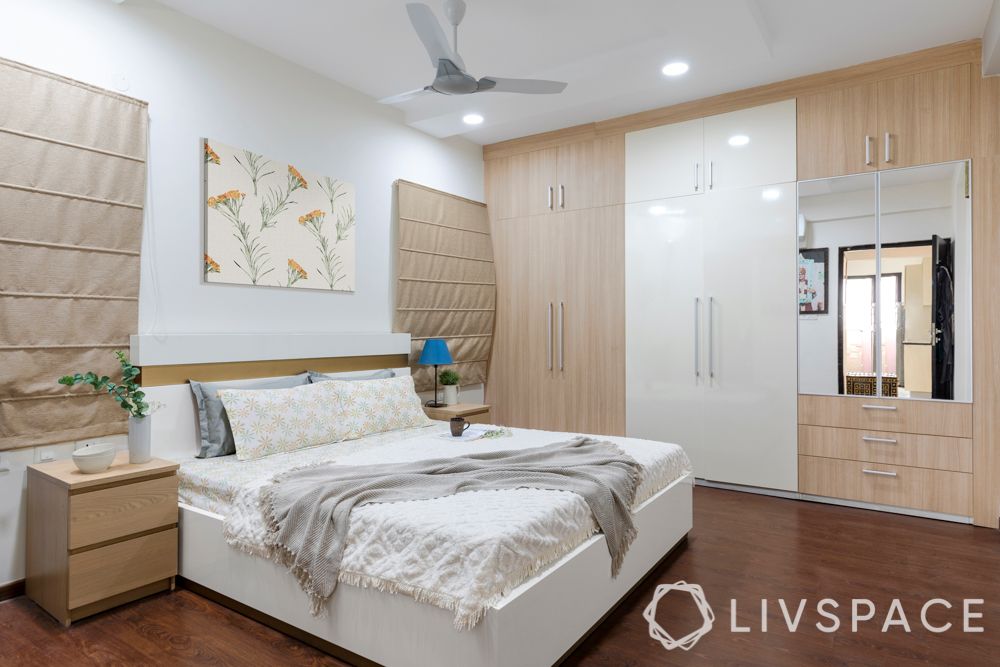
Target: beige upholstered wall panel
x=446 y=286
x=72 y=190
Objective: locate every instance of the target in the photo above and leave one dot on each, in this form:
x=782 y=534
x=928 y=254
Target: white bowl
x=94 y=458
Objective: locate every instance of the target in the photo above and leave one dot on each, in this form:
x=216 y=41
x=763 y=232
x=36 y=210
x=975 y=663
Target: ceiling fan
x=451 y=77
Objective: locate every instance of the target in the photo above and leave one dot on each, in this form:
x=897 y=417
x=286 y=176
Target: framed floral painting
x=813 y=282
x=267 y=223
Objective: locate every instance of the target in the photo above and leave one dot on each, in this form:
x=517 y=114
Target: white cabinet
x=664 y=161
x=751 y=147
x=664 y=330
x=711 y=331
x=740 y=149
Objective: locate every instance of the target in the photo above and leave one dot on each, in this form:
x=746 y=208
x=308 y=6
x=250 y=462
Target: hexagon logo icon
x=688 y=641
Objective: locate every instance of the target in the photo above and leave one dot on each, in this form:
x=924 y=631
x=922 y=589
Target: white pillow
x=272 y=421
x=377 y=406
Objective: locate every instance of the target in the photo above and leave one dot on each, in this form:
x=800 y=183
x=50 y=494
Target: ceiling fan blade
x=531 y=86
x=430 y=33
x=409 y=95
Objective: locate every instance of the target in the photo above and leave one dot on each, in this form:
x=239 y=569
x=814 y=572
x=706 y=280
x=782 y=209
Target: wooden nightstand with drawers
x=100 y=540
x=474 y=413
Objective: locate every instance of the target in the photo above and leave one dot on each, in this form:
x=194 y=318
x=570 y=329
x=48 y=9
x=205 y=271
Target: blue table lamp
x=435 y=354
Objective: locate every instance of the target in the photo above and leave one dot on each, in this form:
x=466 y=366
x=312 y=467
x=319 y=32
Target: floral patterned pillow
x=377 y=406
x=271 y=421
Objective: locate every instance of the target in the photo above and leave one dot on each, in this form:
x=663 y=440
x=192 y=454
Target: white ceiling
x=610 y=52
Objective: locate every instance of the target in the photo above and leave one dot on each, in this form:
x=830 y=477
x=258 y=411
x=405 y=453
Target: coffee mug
x=458 y=426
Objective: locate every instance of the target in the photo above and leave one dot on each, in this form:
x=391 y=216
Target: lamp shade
x=435 y=353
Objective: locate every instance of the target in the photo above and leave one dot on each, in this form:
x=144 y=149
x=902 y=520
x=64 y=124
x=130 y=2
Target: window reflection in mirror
x=909 y=232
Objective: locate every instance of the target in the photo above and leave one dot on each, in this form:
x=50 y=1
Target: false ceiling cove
x=609 y=53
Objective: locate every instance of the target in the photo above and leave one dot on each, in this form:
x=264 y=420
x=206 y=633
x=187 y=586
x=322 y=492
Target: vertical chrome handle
x=548 y=340
x=711 y=174
x=562 y=196
x=550 y=198
x=697 y=335
x=562 y=333
x=711 y=335
x=868 y=149
x=696 y=176
x=888 y=148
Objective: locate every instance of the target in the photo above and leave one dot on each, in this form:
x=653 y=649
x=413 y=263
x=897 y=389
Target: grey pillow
x=315 y=377
x=216 y=434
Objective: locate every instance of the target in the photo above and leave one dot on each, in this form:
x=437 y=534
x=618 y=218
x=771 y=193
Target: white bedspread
x=461 y=552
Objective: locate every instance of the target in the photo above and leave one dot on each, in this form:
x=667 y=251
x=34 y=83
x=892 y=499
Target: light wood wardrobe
x=921 y=108
x=557 y=226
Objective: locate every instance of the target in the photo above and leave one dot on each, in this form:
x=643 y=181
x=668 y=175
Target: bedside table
x=100 y=540
x=473 y=412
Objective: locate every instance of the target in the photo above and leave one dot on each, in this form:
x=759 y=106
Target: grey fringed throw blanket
x=308 y=511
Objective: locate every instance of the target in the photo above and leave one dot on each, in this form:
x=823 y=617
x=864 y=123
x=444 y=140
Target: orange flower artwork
x=260 y=211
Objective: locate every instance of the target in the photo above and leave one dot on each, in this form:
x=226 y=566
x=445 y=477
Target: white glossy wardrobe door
x=750 y=147
x=664 y=161
x=750 y=282
x=663 y=333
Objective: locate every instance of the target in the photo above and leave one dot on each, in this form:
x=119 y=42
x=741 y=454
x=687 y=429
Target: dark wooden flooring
x=743 y=547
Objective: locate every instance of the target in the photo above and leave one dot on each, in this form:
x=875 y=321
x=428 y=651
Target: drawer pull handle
x=879 y=407
x=888 y=441
x=880 y=473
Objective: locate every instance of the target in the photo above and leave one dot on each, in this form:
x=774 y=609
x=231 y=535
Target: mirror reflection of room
x=885 y=284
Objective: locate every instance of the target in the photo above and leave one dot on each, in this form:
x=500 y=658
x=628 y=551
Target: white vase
x=450 y=394
x=139 y=446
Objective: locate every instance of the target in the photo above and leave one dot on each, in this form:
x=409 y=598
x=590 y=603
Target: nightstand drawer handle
x=888 y=441
x=879 y=407
x=880 y=473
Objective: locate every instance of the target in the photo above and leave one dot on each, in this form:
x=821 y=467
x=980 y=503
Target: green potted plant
x=129 y=394
x=449 y=380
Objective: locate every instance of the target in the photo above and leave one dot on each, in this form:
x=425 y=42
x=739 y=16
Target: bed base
x=538 y=623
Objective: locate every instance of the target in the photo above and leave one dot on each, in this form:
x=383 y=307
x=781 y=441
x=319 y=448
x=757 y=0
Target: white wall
x=200 y=82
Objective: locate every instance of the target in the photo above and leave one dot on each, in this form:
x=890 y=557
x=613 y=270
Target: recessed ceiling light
x=675 y=68
x=771 y=194
x=739 y=140
x=657 y=210
x=472 y=119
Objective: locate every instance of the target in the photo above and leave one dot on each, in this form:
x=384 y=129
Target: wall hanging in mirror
x=813 y=281
x=269 y=224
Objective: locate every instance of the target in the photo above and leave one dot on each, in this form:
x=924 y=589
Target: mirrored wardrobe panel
x=885 y=284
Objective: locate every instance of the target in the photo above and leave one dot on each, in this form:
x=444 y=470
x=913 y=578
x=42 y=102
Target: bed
x=549 y=598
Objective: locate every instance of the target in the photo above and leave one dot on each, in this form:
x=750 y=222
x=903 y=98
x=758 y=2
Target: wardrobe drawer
x=917 y=488
x=118 y=511
x=887 y=414
x=907 y=449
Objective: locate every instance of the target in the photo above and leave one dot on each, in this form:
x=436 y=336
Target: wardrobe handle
x=888 y=441
x=868 y=149
x=878 y=407
x=548 y=341
x=562 y=333
x=562 y=196
x=711 y=332
x=711 y=174
x=880 y=473
x=696 y=176
x=888 y=148
x=550 y=198
x=697 y=336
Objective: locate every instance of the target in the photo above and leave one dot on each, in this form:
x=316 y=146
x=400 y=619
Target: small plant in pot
x=449 y=380
x=129 y=394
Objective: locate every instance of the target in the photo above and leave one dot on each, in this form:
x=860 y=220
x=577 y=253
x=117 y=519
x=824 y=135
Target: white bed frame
x=536 y=624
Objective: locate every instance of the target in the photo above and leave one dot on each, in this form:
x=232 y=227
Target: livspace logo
x=856 y=613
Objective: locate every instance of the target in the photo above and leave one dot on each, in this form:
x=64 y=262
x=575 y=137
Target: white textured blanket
x=461 y=552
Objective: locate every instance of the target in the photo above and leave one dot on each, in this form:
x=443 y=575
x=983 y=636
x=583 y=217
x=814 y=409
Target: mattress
x=461 y=552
